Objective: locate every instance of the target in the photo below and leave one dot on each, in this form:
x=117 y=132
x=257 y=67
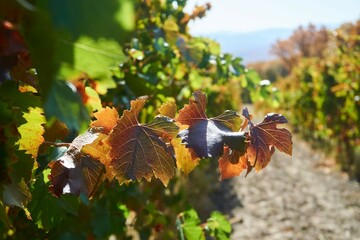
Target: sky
x=254 y=15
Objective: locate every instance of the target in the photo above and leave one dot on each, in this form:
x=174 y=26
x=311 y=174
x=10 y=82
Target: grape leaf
x=219 y=226
x=168 y=109
x=106 y=118
x=31 y=132
x=76 y=172
x=186 y=160
x=184 y=157
x=16 y=194
x=232 y=163
x=140 y=150
x=188 y=225
x=264 y=137
x=54 y=130
x=98 y=150
x=208 y=136
x=46 y=210
x=65 y=103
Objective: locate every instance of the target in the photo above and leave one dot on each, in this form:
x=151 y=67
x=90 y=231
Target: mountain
x=252 y=46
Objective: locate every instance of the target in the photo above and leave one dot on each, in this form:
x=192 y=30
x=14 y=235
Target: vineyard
x=109 y=115
x=322 y=92
x=90 y=120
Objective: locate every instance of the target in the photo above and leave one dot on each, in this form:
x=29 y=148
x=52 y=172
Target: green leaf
x=45 y=27
x=188 y=225
x=90 y=56
x=219 y=226
x=3 y=216
x=46 y=210
x=64 y=103
x=16 y=194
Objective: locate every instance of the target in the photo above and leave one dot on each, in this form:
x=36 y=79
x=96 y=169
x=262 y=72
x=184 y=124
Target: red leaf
x=264 y=137
x=140 y=150
x=194 y=111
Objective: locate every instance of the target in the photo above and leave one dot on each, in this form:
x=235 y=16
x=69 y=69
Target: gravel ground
x=302 y=197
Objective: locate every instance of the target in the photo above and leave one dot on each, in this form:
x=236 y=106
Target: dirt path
x=293 y=198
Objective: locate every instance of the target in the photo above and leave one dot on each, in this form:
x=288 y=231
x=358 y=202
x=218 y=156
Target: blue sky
x=253 y=15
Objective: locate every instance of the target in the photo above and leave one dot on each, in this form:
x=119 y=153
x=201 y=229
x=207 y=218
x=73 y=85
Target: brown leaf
x=264 y=137
x=54 y=130
x=76 y=172
x=141 y=150
x=106 y=118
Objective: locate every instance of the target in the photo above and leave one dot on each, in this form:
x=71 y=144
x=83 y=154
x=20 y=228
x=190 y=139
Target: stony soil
x=303 y=197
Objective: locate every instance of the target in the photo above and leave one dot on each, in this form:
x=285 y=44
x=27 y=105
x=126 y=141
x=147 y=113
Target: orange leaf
x=141 y=150
x=98 y=150
x=106 y=118
x=232 y=163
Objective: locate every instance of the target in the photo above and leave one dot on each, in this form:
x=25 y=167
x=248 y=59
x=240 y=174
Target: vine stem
x=55 y=144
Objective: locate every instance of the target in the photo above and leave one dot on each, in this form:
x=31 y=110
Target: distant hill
x=252 y=46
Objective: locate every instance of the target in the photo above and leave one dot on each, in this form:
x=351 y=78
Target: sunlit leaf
x=208 y=136
x=75 y=172
x=106 y=118
x=219 y=226
x=188 y=225
x=99 y=150
x=142 y=150
x=185 y=161
x=32 y=131
x=232 y=163
x=168 y=109
x=264 y=137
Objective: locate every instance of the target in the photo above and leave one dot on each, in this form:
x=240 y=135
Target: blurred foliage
x=322 y=96
x=60 y=62
x=303 y=43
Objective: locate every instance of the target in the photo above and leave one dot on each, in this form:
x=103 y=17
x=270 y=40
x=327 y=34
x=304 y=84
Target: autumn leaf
x=76 y=172
x=232 y=163
x=184 y=159
x=54 y=130
x=208 y=136
x=168 y=109
x=106 y=118
x=141 y=150
x=99 y=150
x=264 y=137
x=31 y=132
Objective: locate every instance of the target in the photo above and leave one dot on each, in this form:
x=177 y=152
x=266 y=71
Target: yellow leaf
x=31 y=132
